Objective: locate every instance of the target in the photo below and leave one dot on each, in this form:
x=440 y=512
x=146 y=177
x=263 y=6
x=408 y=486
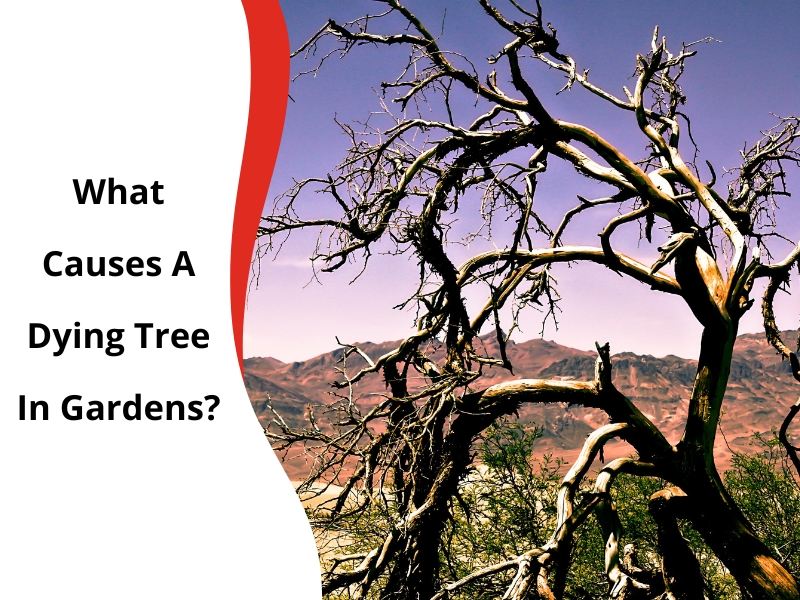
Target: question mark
x=213 y=406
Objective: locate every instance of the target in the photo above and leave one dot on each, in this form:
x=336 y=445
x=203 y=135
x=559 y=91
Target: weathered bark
x=399 y=187
x=713 y=513
x=415 y=574
x=732 y=539
x=679 y=566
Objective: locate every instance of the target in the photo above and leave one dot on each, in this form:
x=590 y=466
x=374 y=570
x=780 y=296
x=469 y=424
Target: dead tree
x=406 y=177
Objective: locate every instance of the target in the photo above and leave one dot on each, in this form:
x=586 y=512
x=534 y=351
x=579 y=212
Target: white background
x=138 y=91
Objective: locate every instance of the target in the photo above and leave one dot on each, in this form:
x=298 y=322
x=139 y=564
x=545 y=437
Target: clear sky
x=732 y=87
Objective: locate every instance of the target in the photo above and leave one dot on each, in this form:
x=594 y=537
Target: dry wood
x=402 y=460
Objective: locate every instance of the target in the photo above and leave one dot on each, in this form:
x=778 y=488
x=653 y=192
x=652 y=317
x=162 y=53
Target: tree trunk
x=717 y=518
x=714 y=513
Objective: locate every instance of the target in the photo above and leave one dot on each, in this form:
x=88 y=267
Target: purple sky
x=732 y=87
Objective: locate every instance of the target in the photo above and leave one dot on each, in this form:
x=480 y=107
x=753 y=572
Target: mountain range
x=760 y=391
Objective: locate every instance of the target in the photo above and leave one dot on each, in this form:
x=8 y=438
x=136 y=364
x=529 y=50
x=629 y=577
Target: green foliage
x=764 y=487
x=507 y=505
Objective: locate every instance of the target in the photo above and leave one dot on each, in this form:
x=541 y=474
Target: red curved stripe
x=269 y=90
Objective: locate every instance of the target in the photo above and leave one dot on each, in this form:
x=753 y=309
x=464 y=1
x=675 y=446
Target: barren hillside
x=760 y=390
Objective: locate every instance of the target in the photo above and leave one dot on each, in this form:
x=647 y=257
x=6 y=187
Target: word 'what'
x=116 y=192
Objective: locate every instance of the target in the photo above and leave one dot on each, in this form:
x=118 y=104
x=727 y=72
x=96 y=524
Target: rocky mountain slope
x=760 y=390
